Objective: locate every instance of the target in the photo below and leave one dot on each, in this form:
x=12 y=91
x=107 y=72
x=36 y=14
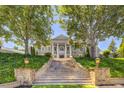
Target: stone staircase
x=62 y=72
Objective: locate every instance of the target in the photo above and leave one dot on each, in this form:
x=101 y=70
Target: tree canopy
x=90 y=24
x=29 y=24
x=112 y=46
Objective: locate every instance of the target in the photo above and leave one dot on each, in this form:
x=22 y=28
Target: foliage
x=64 y=86
x=112 y=46
x=116 y=65
x=90 y=24
x=48 y=54
x=6 y=34
x=106 y=53
x=121 y=49
x=32 y=50
x=1 y=44
x=29 y=24
x=115 y=54
x=10 y=61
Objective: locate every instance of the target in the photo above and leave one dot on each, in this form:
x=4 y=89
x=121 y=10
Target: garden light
x=97 y=60
x=26 y=61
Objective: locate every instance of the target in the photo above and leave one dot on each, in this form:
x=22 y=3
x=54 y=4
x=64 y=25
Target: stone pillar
x=57 y=50
x=52 y=49
x=65 y=51
x=70 y=51
x=92 y=76
x=25 y=76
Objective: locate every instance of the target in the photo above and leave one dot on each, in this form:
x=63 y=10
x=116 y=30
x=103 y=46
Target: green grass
x=10 y=61
x=116 y=65
x=64 y=86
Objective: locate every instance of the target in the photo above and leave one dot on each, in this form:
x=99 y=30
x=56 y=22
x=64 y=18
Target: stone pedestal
x=25 y=75
x=92 y=76
x=103 y=74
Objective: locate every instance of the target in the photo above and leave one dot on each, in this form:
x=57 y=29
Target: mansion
x=60 y=48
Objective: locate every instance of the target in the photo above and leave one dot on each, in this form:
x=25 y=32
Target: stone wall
x=103 y=77
x=25 y=76
x=92 y=76
x=103 y=74
x=10 y=85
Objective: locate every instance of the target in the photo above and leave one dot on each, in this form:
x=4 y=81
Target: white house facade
x=61 y=48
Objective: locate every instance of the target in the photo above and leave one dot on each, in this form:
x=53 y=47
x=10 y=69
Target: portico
x=61 y=47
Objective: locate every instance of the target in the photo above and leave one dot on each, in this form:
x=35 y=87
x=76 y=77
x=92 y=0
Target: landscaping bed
x=9 y=61
x=116 y=65
x=64 y=86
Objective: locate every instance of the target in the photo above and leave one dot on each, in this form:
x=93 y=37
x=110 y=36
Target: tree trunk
x=93 y=52
x=26 y=47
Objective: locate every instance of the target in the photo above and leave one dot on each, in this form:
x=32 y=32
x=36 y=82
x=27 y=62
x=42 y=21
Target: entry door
x=61 y=51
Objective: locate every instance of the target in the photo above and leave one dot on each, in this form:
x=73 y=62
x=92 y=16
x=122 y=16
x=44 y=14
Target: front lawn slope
x=115 y=64
x=10 y=61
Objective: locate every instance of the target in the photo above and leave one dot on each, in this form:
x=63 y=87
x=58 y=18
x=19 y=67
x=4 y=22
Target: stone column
x=70 y=51
x=65 y=51
x=57 y=50
x=52 y=49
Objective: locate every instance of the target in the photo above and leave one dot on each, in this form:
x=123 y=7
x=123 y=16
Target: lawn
x=64 y=86
x=115 y=64
x=10 y=61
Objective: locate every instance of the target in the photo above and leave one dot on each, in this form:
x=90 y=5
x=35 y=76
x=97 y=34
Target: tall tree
x=90 y=24
x=30 y=24
x=121 y=49
x=122 y=42
x=112 y=46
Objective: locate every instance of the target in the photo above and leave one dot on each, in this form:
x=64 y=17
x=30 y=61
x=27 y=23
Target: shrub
x=48 y=54
x=106 y=53
x=32 y=51
x=115 y=54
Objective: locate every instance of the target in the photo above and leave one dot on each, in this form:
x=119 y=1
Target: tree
x=91 y=24
x=106 y=53
x=122 y=42
x=1 y=43
x=5 y=34
x=112 y=46
x=30 y=24
x=121 y=49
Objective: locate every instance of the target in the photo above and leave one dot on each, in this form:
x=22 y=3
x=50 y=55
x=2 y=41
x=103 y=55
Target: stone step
x=65 y=73
x=62 y=83
x=64 y=76
x=61 y=78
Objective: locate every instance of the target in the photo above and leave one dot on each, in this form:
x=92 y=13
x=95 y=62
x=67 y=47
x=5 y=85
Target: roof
x=60 y=37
